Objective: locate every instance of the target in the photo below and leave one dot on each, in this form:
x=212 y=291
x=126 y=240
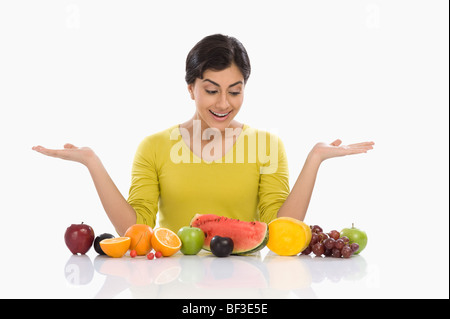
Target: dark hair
x=216 y=52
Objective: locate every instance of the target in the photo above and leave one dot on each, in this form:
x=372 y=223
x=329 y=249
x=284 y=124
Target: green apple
x=356 y=236
x=192 y=239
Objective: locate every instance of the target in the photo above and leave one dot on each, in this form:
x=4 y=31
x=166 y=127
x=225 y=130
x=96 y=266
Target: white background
x=105 y=74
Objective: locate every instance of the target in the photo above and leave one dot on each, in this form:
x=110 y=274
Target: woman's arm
x=298 y=200
x=121 y=214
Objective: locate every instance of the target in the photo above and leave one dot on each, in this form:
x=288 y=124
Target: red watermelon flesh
x=248 y=237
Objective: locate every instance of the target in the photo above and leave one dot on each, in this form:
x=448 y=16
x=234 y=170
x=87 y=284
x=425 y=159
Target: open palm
x=325 y=151
x=70 y=153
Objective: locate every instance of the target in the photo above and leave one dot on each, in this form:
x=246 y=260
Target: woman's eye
x=212 y=92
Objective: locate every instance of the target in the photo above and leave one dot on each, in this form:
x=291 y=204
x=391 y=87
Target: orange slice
x=115 y=247
x=165 y=241
x=141 y=236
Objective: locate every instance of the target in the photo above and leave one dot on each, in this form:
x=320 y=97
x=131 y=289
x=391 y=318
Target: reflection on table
x=205 y=276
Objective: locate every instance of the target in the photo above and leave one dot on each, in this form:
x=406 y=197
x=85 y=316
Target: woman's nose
x=222 y=103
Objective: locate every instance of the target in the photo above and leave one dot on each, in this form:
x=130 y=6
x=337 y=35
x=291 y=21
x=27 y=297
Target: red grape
x=345 y=239
x=346 y=251
x=334 y=234
x=329 y=243
x=307 y=250
x=314 y=238
x=316 y=229
x=322 y=236
x=339 y=244
x=335 y=252
x=328 y=252
x=354 y=247
x=318 y=249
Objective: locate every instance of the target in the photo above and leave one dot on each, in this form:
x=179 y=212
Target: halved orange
x=115 y=247
x=141 y=236
x=165 y=241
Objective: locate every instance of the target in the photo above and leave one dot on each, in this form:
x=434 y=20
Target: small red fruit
x=334 y=234
x=133 y=253
x=150 y=256
x=158 y=254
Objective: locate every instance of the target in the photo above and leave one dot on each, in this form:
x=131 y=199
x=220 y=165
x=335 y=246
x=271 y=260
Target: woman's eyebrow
x=217 y=84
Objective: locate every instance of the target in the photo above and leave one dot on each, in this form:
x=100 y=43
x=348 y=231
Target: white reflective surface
x=47 y=269
x=206 y=276
x=262 y=275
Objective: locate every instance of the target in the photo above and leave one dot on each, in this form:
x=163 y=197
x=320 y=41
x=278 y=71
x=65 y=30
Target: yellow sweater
x=249 y=183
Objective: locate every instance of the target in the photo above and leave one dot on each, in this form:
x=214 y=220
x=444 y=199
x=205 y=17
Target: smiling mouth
x=220 y=114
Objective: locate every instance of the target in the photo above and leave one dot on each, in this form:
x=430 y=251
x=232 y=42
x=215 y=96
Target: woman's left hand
x=323 y=151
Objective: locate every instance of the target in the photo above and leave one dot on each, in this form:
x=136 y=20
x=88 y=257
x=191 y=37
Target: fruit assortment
x=139 y=240
x=248 y=237
x=222 y=236
x=334 y=243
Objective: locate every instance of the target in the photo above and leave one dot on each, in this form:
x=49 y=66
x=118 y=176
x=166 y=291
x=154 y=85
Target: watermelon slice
x=248 y=237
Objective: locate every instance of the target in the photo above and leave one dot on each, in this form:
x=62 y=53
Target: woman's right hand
x=70 y=152
x=121 y=214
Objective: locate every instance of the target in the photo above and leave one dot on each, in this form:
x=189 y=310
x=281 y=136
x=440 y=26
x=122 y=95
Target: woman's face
x=218 y=97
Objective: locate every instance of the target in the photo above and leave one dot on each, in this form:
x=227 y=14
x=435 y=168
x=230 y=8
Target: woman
x=210 y=163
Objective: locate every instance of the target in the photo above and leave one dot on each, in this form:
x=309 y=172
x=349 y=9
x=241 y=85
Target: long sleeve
x=274 y=181
x=144 y=190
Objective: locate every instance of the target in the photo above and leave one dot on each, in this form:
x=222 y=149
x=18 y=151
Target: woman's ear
x=191 y=91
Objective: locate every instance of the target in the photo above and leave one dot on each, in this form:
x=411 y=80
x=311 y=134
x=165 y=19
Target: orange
x=140 y=236
x=165 y=241
x=115 y=247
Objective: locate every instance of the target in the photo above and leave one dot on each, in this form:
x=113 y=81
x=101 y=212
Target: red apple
x=79 y=238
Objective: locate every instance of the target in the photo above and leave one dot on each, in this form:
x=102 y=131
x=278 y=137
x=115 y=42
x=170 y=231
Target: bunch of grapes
x=329 y=244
